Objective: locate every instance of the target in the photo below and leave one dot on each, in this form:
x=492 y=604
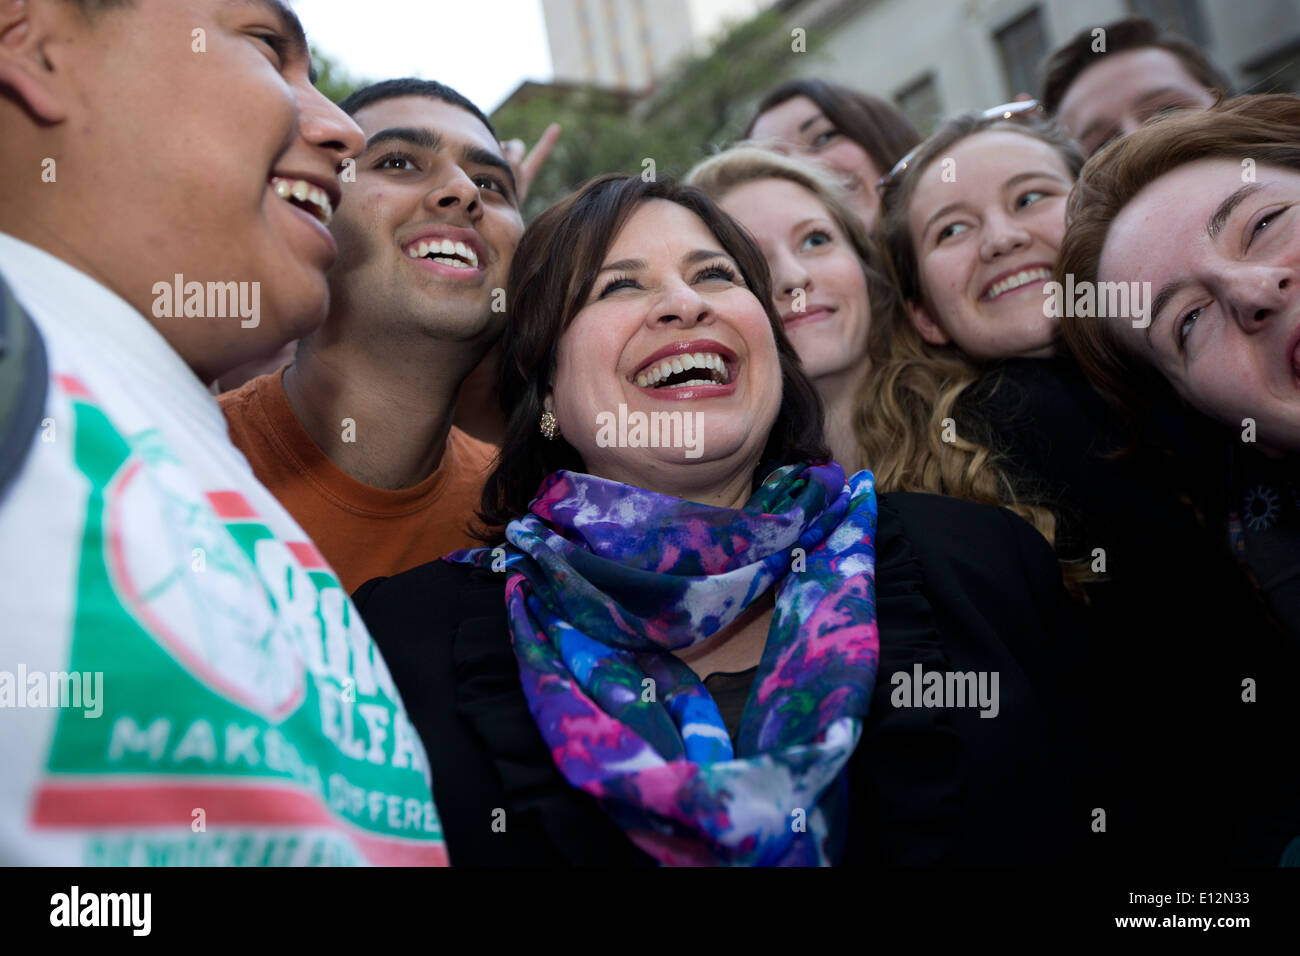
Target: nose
x=453 y=189
x=1259 y=293
x=788 y=274
x=1002 y=234
x=680 y=305
x=327 y=127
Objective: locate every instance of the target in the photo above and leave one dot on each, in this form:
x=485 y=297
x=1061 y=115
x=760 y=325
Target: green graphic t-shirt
x=183 y=681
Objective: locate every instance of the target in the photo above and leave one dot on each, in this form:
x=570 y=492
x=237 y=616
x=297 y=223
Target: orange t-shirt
x=364 y=532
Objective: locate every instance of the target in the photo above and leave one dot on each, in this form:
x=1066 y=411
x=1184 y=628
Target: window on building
x=920 y=103
x=1183 y=17
x=1022 y=44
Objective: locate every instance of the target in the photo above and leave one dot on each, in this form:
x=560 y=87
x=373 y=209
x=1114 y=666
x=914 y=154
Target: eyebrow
x=1217 y=221
x=485 y=157
x=416 y=136
x=810 y=120
x=810 y=220
x=430 y=139
x=638 y=265
x=1097 y=124
x=290 y=26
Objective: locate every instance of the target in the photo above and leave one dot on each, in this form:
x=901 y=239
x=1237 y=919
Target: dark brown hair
x=869 y=121
x=1264 y=128
x=1064 y=64
x=551 y=277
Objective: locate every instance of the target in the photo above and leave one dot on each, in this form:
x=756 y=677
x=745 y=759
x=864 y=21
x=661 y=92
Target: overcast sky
x=483 y=48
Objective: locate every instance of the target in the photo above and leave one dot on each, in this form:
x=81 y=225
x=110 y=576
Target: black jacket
x=960 y=587
x=1173 y=630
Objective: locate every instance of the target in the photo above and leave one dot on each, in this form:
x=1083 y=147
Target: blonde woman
x=831 y=285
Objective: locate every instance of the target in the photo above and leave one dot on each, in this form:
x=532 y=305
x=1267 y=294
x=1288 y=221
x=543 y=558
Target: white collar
x=102 y=323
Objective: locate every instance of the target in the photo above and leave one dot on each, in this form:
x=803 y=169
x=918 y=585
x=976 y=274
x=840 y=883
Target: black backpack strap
x=24 y=379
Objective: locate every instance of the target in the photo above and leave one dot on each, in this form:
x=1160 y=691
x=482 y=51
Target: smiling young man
x=356 y=436
x=182 y=678
x=1109 y=80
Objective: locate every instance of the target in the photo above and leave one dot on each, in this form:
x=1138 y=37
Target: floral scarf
x=604 y=580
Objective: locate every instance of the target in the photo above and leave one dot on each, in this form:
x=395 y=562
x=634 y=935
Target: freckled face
x=1227 y=335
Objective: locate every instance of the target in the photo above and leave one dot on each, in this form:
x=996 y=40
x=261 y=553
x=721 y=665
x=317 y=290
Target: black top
x=731 y=692
x=960 y=587
x=1263 y=527
x=1174 y=628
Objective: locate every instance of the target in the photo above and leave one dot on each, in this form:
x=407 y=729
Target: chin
x=295 y=313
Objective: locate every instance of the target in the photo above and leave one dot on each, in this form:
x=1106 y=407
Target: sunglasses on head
x=1017 y=109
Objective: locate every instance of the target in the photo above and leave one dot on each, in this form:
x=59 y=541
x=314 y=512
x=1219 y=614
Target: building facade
x=935 y=58
x=629 y=44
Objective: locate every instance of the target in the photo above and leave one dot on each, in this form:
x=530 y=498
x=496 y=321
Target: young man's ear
x=25 y=73
x=925 y=324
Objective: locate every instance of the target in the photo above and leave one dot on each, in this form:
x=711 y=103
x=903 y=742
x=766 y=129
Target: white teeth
x=448 y=261
x=1016 y=281
x=302 y=192
x=444 y=248
x=654 y=374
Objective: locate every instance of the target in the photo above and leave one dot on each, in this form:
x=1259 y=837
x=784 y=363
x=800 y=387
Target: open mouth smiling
x=307 y=196
x=684 y=364
x=458 y=255
x=1010 y=282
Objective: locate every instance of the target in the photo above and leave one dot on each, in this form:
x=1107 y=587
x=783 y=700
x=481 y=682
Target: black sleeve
x=969 y=588
x=443 y=632
x=414 y=618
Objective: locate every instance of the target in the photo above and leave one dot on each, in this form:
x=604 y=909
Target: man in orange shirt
x=355 y=437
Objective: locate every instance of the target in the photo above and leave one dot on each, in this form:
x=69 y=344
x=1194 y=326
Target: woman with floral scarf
x=690 y=637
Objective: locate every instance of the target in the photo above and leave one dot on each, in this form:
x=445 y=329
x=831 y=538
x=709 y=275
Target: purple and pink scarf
x=606 y=580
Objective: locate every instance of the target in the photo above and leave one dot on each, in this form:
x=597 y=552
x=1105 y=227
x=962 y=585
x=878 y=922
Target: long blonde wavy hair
x=912 y=436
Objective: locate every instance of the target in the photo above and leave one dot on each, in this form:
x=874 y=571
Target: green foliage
x=703 y=105
x=332 y=78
